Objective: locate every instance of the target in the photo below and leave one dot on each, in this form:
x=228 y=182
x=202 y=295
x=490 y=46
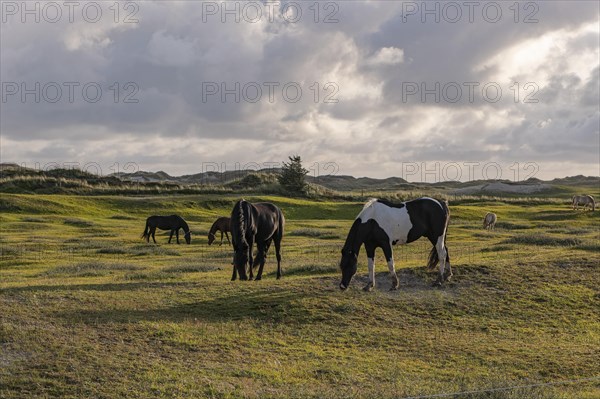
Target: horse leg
x=370 y=249
x=277 y=241
x=153 y=233
x=261 y=258
x=234 y=275
x=177 y=235
x=389 y=257
x=448 y=272
x=442 y=254
x=170 y=236
x=221 y=239
x=227 y=235
x=250 y=262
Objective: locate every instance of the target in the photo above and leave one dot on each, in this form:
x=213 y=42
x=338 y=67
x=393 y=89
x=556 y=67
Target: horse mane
x=213 y=228
x=370 y=202
x=239 y=223
x=185 y=226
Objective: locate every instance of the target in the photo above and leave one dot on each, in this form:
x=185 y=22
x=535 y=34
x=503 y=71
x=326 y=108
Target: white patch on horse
x=371 y=262
x=441 y=250
x=395 y=222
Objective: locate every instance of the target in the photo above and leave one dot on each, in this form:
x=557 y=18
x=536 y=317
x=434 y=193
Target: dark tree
x=292 y=176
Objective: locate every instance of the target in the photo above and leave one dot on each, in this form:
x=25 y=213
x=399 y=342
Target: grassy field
x=87 y=309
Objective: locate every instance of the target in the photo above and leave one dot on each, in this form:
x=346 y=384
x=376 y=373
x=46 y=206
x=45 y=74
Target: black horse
x=260 y=223
x=382 y=224
x=173 y=223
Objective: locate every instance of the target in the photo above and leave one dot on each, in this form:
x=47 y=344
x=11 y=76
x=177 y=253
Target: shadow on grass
x=268 y=306
x=117 y=287
x=264 y=302
x=311 y=270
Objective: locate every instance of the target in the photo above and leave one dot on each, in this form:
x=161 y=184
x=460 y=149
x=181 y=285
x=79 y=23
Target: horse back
x=268 y=220
x=223 y=223
x=165 y=222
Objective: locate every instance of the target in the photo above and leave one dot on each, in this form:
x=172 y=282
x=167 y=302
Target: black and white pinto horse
x=382 y=224
x=260 y=223
x=172 y=222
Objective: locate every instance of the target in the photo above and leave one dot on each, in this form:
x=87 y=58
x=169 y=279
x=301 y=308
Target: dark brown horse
x=260 y=223
x=222 y=225
x=173 y=223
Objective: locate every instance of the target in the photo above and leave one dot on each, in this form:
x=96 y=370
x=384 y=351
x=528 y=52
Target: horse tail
x=146 y=232
x=281 y=225
x=447 y=212
x=433 y=258
x=433 y=254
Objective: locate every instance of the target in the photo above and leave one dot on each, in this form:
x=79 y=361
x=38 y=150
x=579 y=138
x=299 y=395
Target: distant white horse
x=489 y=221
x=584 y=200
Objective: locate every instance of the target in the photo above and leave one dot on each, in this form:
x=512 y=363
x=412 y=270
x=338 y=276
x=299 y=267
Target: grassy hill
x=87 y=309
x=16 y=179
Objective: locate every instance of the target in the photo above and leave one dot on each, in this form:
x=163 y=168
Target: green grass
x=88 y=309
x=542 y=239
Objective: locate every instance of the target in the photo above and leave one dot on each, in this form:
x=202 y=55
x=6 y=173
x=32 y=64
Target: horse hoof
x=393 y=288
x=368 y=287
x=436 y=283
x=258 y=279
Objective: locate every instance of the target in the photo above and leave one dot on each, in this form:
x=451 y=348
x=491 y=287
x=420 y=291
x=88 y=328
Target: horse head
x=188 y=237
x=348 y=265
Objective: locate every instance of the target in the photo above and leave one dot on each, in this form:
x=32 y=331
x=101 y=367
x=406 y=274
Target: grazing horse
x=585 y=200
x=173 y=223
x=382 y=224
x=489 y=221
x=260 y=223
x=222 y=225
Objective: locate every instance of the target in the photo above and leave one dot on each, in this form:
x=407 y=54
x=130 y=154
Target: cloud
x=353 y=108
x=388 y=56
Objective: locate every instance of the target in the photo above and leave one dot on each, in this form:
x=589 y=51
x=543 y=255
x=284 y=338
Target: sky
x=426 y=91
